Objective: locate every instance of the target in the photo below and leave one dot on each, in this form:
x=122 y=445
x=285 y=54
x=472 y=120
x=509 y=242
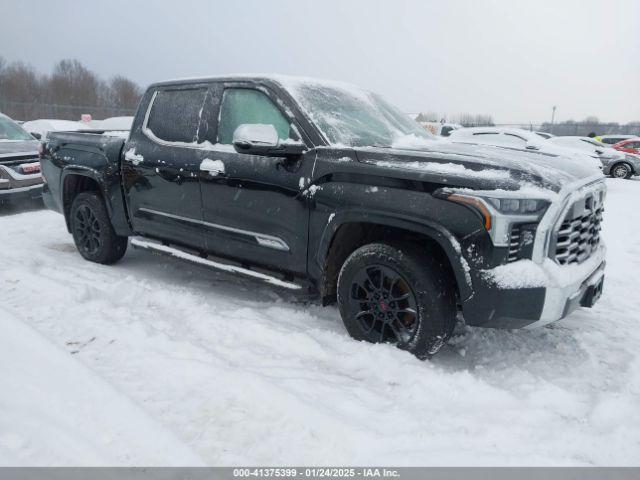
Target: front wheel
x=92 y=231
x=621 y=170
x=397 y=294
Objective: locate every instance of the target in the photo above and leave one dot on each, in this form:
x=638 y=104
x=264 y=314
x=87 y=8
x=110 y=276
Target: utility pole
x=553 y=114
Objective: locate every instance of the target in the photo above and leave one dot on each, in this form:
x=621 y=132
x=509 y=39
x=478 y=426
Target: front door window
x=243 y=105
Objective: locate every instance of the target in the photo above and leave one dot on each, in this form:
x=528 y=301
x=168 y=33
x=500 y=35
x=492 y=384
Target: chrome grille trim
x=577 y=233
x=514 y=243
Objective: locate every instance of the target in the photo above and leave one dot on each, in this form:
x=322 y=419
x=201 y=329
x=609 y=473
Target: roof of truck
x=283 y=80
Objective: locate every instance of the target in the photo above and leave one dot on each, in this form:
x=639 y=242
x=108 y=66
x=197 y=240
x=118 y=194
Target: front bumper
x=21 y=194
x=561 y=301
x=545 y=299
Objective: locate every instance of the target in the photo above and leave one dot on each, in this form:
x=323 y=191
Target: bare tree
x=124 y=92
x=69 y=91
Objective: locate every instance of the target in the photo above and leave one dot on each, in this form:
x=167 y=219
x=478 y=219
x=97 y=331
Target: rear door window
x=244 y=105
x=175 y=115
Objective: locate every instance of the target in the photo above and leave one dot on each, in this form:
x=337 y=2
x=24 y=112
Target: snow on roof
x=43 y=126
x=512 y=131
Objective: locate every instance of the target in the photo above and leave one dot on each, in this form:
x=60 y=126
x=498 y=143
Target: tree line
x=69 y=91
x=591 y=125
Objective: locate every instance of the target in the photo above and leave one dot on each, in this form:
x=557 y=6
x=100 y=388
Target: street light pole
x=553 y=114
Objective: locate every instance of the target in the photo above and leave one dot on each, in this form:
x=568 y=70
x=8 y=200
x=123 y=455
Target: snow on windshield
x=350 y=116
x=11 y=131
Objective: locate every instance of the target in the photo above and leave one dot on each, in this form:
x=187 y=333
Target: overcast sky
x=511 y=59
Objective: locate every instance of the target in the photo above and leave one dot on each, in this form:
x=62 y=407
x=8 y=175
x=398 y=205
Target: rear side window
x=175 y=115
x=243 y=105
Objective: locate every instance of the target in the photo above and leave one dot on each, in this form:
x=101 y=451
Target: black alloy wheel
x=87 y=229
x=383 y=304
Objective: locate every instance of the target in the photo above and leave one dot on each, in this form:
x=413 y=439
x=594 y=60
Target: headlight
x=499 y=213
x=518 y=206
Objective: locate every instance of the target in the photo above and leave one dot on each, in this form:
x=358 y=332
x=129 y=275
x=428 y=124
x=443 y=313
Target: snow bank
x=246 y=374
x=55 y=411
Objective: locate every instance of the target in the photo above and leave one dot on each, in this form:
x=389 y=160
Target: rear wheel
x=621 y=170
x=92 y=231
x=397 y=294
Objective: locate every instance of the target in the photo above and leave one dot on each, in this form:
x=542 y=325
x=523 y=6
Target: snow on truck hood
x=506 y=168
x=18 y=147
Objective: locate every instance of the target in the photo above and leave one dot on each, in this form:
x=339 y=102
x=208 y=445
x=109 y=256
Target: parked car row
x=621 y=160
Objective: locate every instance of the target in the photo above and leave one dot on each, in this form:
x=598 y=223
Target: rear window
x=175 y=115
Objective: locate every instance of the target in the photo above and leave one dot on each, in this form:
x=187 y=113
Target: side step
x=190 y=257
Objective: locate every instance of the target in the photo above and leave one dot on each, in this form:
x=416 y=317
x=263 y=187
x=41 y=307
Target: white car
x=545 y=134
x=615 y=163
x=41 y=128
x=523 y=140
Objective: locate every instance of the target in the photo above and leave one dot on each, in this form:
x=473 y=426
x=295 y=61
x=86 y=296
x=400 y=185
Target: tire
x=621 y=170
x=397 y=294
x=92 y=230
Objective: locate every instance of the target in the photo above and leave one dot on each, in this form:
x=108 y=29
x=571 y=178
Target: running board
x=175 y=252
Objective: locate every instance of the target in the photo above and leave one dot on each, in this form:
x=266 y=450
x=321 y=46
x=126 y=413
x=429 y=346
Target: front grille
x=514 y=244
x=579 y=233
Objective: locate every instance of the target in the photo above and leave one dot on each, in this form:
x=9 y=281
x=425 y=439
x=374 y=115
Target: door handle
x=214 y=167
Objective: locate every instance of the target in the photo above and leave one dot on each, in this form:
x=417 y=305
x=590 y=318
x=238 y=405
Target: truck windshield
x=11 y=131
x=356 y=118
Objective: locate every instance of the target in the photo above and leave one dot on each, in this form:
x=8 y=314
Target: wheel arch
x=621 y=162
x=348 y=231
x=75 y=180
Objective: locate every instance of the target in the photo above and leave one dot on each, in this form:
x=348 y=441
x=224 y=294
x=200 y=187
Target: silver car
x=615 y=163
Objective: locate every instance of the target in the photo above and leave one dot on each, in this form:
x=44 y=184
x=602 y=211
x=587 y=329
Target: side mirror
x=36 y=135
x=260 y=139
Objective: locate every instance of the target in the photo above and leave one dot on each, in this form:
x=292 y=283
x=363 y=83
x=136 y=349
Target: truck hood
x=481 y=166
x=18 y=150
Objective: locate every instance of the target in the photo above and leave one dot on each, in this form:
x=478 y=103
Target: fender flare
x=88 y=172
x=445 y=239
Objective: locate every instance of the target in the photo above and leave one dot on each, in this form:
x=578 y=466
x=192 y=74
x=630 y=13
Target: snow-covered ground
x=129 y=362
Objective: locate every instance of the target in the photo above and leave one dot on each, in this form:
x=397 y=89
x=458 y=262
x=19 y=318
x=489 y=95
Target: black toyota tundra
x=324 y=187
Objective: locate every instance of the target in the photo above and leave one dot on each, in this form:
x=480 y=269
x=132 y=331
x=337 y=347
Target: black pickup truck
x=325 y=187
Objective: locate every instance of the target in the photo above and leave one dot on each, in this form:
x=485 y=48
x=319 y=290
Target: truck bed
x=92 y=158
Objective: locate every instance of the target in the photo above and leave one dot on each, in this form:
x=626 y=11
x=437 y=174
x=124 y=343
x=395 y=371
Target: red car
x=631 y=145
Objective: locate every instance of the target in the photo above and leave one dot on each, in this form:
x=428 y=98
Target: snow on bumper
x=548 y=290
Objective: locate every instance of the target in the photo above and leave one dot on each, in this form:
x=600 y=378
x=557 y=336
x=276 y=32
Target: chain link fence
x=578 y=128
